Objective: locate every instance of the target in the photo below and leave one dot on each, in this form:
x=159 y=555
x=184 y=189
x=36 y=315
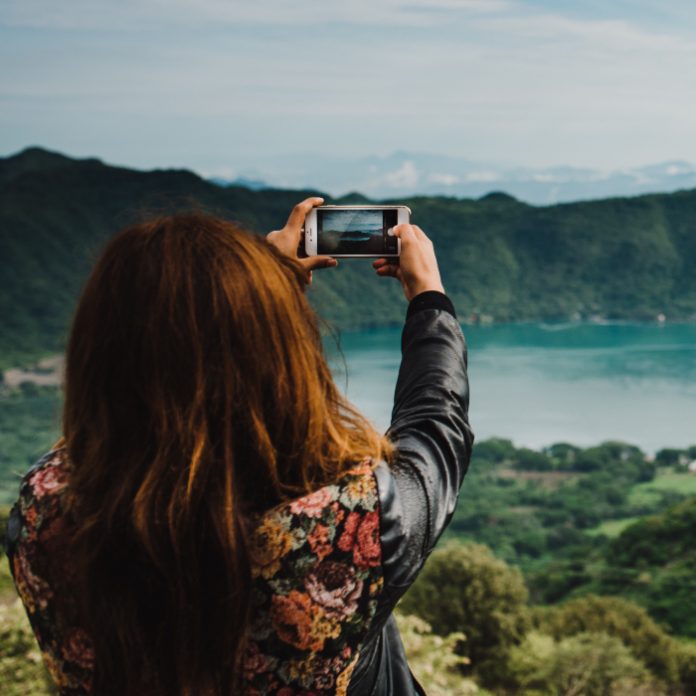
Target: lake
x=538 y=384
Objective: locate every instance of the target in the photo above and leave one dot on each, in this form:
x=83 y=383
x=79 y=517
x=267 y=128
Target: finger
x=404 y=231
x=379 y=262
x=299 y=212
x=419 y=232
x=393 y=272
x=388 y=270
x=315 y=262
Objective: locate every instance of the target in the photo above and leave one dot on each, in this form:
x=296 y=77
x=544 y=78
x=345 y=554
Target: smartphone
x=354 y=231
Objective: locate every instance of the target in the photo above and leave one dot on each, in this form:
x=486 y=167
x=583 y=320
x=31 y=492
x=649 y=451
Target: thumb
x=314 y=262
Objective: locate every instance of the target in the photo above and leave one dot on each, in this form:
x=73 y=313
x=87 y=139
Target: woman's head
x=197 y=394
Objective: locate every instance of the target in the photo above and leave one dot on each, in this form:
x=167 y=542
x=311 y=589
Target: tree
x=669 y=456
x=616 y=617
x=463 y=587
x=433 y=659
x=562 y=454
x=529 y=460
x=586 y=664
x=495 y=450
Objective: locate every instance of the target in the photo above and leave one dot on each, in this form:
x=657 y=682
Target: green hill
x=653 y=562
x=618 y=258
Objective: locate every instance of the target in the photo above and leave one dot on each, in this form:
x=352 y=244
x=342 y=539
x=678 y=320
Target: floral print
x=335 y=587
x=41 y=575
x=313 y=505
x=316 y=580
x=361 y=534
x=48 y=479
x=317 y=571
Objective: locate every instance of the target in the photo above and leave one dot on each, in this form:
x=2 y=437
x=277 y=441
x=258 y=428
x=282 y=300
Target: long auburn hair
x=197 y=397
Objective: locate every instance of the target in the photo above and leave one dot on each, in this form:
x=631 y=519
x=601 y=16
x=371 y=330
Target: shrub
x=591 y=664
x=463 y=587
x=687 y=668
x=433 y=659
x=616 y=617
x=22 y=672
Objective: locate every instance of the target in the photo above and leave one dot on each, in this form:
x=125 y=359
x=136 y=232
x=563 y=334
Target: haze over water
x=539 y=384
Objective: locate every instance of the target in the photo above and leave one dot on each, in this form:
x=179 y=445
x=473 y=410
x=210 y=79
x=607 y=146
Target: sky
x=215 y=85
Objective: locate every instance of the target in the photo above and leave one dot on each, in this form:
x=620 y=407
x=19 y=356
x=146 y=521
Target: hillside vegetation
x=654 y=562
x=469 y=628
x=630 y=258
x=601 y=519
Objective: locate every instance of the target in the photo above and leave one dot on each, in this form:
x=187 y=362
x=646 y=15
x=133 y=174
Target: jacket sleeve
x=430 y=429
x=36 y=536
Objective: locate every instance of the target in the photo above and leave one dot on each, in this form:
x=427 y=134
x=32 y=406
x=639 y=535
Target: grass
x=648 y=495
x=8 y=593
x=612 y=528
x=644 y=497
x=684 y=484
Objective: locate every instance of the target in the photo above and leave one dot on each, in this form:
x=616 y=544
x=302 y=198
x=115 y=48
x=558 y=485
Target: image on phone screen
x=356 y=232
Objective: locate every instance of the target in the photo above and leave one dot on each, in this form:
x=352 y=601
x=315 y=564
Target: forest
x=501 y=260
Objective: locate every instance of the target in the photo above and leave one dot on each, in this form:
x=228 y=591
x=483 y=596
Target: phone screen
x=356 y=232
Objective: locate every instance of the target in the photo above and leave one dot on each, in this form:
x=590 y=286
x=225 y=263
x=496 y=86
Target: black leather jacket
x=418 y=493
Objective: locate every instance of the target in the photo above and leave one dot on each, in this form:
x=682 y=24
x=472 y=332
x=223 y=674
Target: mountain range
x=411 y=173
x=501 y=259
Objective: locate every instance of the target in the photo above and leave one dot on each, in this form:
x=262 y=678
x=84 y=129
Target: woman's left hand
x=287 y=240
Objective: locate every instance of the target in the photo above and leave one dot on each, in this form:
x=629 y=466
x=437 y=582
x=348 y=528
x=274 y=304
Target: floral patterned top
x=317 y=577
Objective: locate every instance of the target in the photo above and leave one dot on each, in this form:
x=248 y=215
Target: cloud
x=493 y=80
x=406 y=176
x=134 y=15
x=482 y=176
x=443 y=179
x=610 y=33
x=678 y=169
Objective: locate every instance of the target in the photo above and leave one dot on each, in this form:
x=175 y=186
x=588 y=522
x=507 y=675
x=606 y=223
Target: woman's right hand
x=416 y=268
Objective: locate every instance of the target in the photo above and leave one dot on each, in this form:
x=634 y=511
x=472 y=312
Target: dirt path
x=46 y=373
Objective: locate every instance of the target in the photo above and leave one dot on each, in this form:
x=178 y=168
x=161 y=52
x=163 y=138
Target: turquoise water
x=539 y=384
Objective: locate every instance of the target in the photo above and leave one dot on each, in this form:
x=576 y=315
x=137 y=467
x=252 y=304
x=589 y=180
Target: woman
x=217 y=518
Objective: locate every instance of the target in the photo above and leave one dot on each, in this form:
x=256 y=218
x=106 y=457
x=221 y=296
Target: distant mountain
x=408 y=173
x=252 y=184
x=503 y=260
x=32 y=159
